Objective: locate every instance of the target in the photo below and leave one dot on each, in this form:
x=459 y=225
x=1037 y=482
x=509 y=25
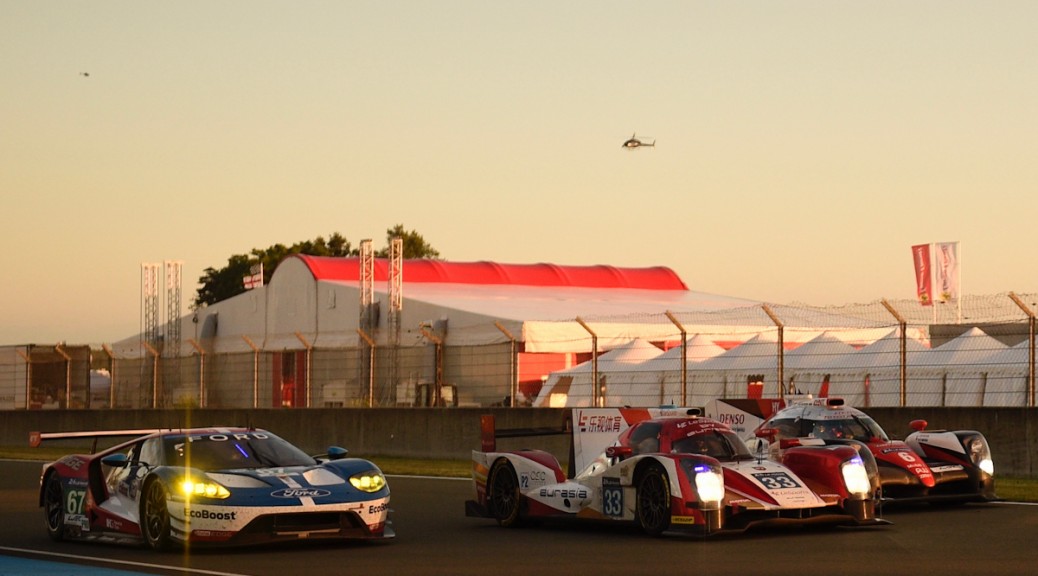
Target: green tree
x=221 y=284
x=414 y=244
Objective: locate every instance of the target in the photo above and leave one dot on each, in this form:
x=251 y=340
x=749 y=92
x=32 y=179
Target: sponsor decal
x=599 y=423
x=731 y=419
x=563 y=493
x=275 y=472
x=113 y=524
x=72 y=462
x=946 y=468
x=227 y=437
x=222 y=438
x=300 y=493
x=378 y=508
x=683 y=520
x=211 y=515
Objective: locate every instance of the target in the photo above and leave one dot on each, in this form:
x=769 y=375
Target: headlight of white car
x=856 y=477
x=707 y=480
x=980 y=453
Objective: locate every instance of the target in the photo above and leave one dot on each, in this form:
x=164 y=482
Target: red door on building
x=288 y=376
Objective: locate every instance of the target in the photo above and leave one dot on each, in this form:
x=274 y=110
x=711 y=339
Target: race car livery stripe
x=634 y=415
x=291 y=483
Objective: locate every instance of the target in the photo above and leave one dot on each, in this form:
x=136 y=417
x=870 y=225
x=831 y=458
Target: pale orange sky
x=802 y=147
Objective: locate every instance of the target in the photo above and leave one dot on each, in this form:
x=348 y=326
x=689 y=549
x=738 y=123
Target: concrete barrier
x=452 y=433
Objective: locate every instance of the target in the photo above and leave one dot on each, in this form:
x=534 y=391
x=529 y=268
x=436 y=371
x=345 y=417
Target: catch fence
x=979 y=351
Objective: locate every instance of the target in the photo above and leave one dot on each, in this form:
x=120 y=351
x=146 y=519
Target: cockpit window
x=645 y=439
x=858 y=428
x=230 y=451
x=716 y=444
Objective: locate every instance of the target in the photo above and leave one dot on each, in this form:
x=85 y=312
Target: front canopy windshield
x=228 y=451
x=856 y=428
x=723 y=445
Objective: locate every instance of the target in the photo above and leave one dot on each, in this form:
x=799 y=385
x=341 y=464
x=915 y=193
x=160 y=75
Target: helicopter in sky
x=634 y=142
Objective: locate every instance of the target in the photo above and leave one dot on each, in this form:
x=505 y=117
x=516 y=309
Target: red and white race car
x=665 y=469
x=928 y=465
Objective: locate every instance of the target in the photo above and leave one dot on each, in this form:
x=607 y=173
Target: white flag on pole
x=946 y=271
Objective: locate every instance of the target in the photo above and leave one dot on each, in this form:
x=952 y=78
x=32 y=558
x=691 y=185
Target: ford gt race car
x=929 y=465
x=667 y=469
x=210 y=486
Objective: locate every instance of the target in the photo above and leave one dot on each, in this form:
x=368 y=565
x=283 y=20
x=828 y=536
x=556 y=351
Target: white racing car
x=929 y=465
x=670 y=469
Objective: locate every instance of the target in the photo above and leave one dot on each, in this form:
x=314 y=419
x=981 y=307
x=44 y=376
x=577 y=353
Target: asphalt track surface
x=435 y=537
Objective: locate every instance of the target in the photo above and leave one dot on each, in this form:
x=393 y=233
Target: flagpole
x=933 y=280
x=958 y=270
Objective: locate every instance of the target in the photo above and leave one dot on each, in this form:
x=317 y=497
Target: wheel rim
x=653 y=502
x=54 y=505
x=156 y=515
x=503 y=493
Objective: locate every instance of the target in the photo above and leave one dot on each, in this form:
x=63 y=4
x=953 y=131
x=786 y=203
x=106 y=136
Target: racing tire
x=155 y=516
x=652 y=497
x=54 y=508
x=503 y=494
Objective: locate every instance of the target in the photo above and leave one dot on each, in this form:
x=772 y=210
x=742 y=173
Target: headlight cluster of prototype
x=708 y=480
x=190 y=487
x=370 y=481
x=856 y=477
x=980 y=454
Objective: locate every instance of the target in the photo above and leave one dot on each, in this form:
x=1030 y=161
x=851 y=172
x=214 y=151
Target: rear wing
x=489 y=433
x=591 y=430
x=37 y=438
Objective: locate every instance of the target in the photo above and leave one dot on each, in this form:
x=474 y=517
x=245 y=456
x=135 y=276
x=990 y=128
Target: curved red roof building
x=492 y=273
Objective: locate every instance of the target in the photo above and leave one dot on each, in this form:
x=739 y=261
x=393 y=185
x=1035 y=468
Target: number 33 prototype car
x=211 y=486
x=666 y=470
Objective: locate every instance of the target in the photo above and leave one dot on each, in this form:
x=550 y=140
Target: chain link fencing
x=978 y=351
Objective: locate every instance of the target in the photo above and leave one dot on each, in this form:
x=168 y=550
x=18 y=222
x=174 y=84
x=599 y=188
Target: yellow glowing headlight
x=190 y=487
x=370 y=481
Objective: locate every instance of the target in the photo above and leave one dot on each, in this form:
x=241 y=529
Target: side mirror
x=117 y=460
x=918 y=425
x=620 y=452
x=337 y=453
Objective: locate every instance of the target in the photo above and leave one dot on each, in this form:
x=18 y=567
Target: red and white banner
x=923 y=274
x=946 y=270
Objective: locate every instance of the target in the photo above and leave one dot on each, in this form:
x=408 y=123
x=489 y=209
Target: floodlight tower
x=174 y=269
x=396 y=306
x=367 y=286
x=149 y=304
x=366 y=322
